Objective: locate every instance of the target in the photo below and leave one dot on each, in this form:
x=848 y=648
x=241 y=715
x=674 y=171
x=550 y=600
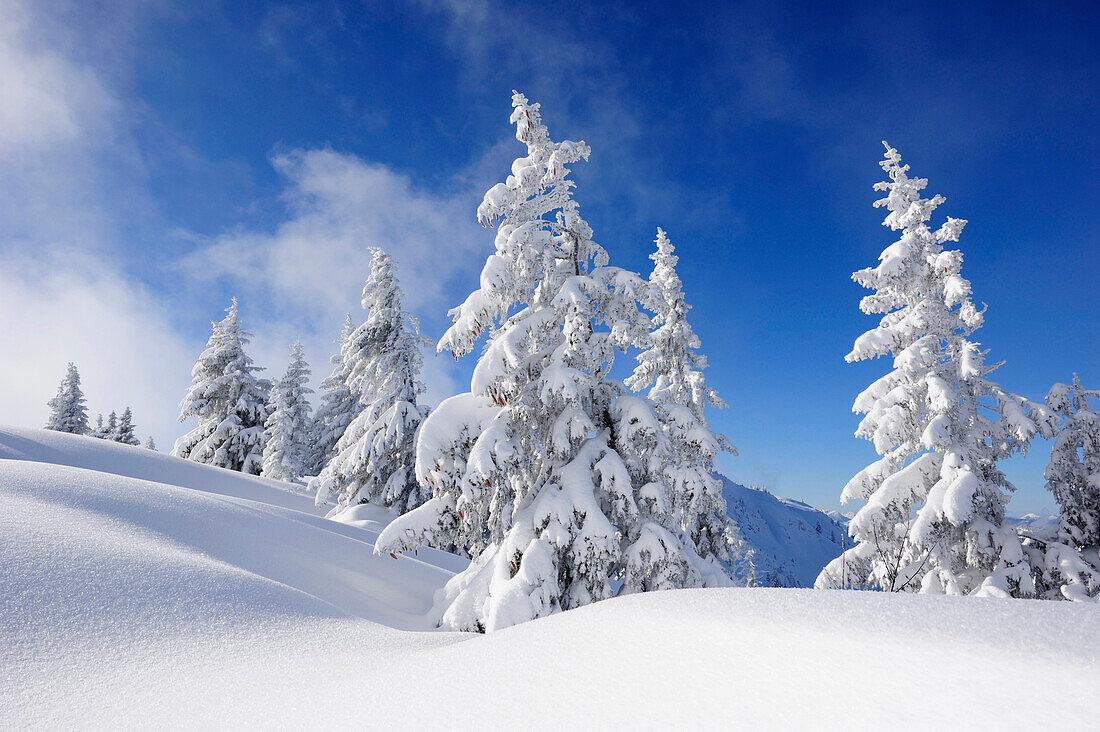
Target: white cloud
x=308 y=272
x=45 y=99
x=73 y=308
x=70 y=172
x=316 y=260
x=72 y=183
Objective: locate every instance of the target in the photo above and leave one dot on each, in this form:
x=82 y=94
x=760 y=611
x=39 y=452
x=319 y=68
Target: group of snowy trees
x=359 y=445
x=69 y=413
x=934 y=514
x=119 y=429
x=564 y=485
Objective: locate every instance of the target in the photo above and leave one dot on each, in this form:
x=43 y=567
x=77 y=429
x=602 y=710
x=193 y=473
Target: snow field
x=210 y=599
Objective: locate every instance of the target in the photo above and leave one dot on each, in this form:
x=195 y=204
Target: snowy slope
x=792 y=541
x=130 y=603
x=134 y=462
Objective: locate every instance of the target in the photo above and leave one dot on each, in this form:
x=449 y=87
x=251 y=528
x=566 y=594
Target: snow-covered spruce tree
x=682 y=466
x=525 y=469
x=124 y=433
x=1067 y=562
x=288 y=430
x=228 y=400
x=150 y=444
x=67 y=410
x=934 y=519
x=110 y=430
x=339 y=405
x=100 y=430
x=374 y=457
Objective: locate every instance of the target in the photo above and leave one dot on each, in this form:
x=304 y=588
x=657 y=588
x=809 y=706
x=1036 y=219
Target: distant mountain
x=1034 y=524
x=792 y=540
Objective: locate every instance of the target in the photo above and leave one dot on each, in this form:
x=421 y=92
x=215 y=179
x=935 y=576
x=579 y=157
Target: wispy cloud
x=308 y=271
x=70 y=307
x=315 y=260
x=72 y=182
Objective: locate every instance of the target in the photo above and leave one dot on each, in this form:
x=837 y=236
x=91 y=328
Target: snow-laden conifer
x=68 y=412
x=339 y=405
x=525 y=470
x=1067 y=561
x=288 y=430
x=374 y=457
x=150 y=444
x=228 y=400
x=934 y=519
x=671 y=366
x=682 y=492
x=124 y=432
x=110 y=430
x=100 y=429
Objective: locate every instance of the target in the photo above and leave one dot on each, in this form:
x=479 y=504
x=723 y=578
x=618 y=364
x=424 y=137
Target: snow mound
x=792 y=541
x=776 y=659
x=132 y=602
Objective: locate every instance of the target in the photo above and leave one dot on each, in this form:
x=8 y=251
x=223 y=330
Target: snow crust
x=138 y=590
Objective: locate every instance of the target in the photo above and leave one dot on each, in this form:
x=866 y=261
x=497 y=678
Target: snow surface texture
x=217 y=600
x=788 y=549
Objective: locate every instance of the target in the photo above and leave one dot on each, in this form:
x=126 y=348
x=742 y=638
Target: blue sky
x=157 y=158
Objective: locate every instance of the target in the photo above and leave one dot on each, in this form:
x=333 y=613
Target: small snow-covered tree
x=374 y=457
x=934 y=518
x=339 y=405
x=124 y=433
x=526 y=470
x=110 y=430
x=682 y=469
x=1067 y=562
x=287 y=449
x=100 y=430
x=68 y=412
x=228 y=400
x=150 y=444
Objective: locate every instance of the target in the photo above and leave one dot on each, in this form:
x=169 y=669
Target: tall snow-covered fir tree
x=934 y=518
x=229 y=401
x=1067 y=562
x=525 y=470
x=124 y=432
x=374 y=457
x=671 y=368
x=68 y=412
x=339 y=405
x=288 y=430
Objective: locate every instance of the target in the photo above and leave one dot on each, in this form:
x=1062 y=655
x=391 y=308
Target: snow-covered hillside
x=791 y=540
x=138 y=590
